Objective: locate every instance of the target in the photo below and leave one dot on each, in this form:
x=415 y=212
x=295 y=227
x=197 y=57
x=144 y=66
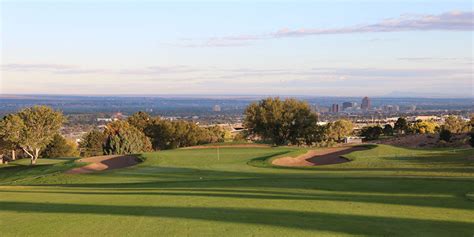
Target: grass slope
x=383 y=191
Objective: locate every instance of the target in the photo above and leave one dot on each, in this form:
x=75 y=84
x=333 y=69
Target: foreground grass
x=383 y=191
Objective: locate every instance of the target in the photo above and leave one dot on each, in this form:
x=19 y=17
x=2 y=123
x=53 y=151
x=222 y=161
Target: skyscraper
x=335 y=108
x=365 y=103
x=346 y=105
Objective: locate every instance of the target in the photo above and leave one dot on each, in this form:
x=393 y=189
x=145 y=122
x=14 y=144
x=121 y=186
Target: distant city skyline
x=319 y=48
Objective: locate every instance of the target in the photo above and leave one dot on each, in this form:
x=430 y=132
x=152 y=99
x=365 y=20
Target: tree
x=92 y=143
x=371 y=132
x=455 y=125
x=281 y=122
x=422 y=127
x=10 y=133
x=140 y=120
x=401 y=126
x=471 y=140
x=445 y=135
x=7 y=147
x=340 y=129
x=60 y=147
x=161 y=133
x=388 y=130
x=122 y=138
x=32 y=129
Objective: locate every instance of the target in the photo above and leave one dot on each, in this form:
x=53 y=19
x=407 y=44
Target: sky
x=312 y=48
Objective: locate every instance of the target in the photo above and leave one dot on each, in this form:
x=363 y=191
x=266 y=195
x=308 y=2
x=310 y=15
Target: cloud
x=74 y=69
x=157 y=70
x=438 y=59
x=183 y=72
x=181 y=78
x=36 y=67
x=52 y=68
x=448 y=21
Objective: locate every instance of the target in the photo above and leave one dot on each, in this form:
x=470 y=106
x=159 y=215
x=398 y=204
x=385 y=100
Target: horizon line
x=3 y=95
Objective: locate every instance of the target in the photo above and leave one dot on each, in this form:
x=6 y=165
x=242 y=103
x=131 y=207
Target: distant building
x=391 y=108
x=335 y=108
x=323 y=109
x=216 y=108
x=104 y=119
x=353 y=140
x=347 y=105
x=412 y=108
x=365 y=103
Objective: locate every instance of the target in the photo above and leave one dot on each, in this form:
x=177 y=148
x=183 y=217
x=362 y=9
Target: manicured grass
x=20 y=170
x=383 y=191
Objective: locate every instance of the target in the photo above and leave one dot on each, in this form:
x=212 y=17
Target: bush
x=445 y=135
x=471 y=140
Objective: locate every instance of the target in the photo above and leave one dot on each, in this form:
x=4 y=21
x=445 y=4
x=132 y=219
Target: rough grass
x=382 y=191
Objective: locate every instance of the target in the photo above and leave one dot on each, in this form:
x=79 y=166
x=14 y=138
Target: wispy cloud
x=74 y=69
x=461 y=60
x=214 y=73
x=448 y=21
x=205 y=79
x=35 y=67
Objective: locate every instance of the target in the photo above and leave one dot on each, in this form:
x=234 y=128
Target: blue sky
x=326 y=48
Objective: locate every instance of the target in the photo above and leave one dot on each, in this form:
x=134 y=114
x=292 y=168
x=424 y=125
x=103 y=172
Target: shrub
x=445 y=135
x=471 y=140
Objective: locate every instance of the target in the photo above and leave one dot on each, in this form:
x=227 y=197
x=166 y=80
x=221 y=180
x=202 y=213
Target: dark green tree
x=445 y=135
x=60 y=147
x=92 y=143
x=471 y=140
x=371 y=132
x=388 y=130
x=122 y=138
x=401 y=126
x=281 y=122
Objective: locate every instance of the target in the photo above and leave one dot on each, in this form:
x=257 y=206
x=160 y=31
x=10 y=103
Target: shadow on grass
x=304 y=220
x=427 y=200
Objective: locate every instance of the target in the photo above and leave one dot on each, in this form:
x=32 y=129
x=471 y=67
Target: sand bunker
x=326 y=156
x=101 y=163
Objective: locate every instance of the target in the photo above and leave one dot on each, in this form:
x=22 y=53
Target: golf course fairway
x=236 y=191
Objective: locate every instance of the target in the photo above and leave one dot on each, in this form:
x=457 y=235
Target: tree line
x=36 y=132
x=142 y=132
x=452 y=125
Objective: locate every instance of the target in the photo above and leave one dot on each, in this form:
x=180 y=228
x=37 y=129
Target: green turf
x=383 y=191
